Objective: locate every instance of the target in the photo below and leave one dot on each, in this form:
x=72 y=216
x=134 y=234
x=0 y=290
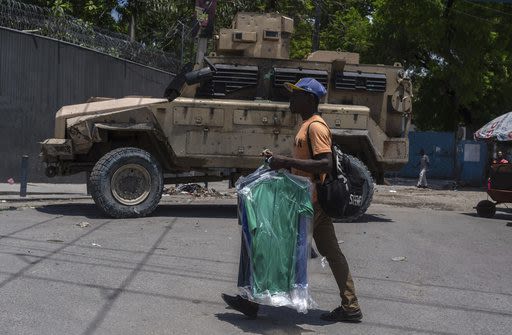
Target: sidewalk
x=441 y=195
x=41 y=191
x=435 y=184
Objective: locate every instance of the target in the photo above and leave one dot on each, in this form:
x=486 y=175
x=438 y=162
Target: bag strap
x=315 y=176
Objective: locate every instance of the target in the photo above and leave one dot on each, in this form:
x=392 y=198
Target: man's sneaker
x=341 y=315
x=242 y=305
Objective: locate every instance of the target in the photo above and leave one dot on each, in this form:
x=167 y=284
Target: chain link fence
x=42 y=21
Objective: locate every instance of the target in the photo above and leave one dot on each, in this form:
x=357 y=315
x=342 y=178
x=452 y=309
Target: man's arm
x=321 y=163
x=320 y=139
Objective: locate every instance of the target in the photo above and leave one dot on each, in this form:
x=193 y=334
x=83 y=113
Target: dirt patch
x=461 y=200
x=408 y=196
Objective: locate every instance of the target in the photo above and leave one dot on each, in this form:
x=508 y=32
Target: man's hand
x=320 y=164
x=277 y=162
x=267 y=153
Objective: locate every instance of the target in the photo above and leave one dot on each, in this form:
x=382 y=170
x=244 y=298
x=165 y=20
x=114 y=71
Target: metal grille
x=292 y=75
x=229 y=79
x=42 y=21
x=372 y=82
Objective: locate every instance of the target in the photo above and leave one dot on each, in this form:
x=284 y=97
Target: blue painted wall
x=471 y=163
x=464 y=161
x=440 y=148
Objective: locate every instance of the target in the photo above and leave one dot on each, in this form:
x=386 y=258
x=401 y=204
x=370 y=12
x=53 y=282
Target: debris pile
x=83 y=224
x=195 y=190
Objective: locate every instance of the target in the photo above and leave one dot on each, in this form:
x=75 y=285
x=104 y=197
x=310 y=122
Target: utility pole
x=315 y=45
x=205 y=15
x=182 y=41
x=132 y=28
x=272 y=4
x=132 y=8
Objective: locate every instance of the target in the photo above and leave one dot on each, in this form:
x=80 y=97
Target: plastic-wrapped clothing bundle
x=275 y=212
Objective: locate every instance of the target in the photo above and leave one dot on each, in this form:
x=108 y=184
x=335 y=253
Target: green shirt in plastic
x=273 y=207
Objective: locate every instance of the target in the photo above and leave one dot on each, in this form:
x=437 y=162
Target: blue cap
x=310 y=85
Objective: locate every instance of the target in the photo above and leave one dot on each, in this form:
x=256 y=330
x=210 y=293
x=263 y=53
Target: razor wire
x=43 y=21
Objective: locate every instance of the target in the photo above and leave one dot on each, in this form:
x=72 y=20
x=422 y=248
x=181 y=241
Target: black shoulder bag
x=341 y=193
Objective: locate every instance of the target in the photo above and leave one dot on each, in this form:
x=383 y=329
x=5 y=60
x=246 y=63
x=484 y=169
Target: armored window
x=292 y=75
x=270 y=35
x=231 y=81
x=372 y=82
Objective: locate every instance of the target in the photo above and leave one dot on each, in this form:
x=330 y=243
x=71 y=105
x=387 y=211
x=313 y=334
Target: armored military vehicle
x=215 y=127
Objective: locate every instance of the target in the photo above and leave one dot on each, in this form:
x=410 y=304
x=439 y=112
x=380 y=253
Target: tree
x=346 y=29
x=458 y=52
x=157 y=23
x=93 y=12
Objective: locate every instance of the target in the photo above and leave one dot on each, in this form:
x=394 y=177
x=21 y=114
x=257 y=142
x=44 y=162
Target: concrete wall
x=39 y=75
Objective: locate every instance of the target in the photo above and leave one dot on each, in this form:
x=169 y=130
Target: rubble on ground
x=195 y=190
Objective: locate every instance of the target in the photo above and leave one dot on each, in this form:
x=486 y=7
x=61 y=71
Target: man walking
x=304 y=100
x=425 y=164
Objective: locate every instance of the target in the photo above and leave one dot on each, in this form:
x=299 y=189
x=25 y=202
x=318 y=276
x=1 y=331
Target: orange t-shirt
x=320 y=137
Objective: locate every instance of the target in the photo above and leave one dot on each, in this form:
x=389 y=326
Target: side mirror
x=198 y=76
x=173 y=90
x=189 y=77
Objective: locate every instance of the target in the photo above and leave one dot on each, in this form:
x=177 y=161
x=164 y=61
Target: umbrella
x=499 y=129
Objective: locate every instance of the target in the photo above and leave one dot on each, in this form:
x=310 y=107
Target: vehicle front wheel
x=486 y=209
x=127 y=182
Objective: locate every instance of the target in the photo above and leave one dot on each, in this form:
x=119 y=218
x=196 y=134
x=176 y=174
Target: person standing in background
x=500 y=159
x=425 y=164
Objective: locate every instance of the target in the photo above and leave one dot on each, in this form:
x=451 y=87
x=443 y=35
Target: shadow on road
x=197 y=211
x=368 y=218
x=272 y=320
x=504 y=216
x=226 y=211
x=286 y=321
x=73 y=209
x=91 y=211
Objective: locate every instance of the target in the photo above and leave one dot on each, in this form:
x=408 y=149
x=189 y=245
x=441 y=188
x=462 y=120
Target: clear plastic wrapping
x=275 y=212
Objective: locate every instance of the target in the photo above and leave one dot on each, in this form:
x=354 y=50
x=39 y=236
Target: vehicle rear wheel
x=127 y=182
x=486 y=209
x=368 y=189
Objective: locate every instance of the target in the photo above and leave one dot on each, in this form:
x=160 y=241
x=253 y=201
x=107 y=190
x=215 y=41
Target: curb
x=18 y=200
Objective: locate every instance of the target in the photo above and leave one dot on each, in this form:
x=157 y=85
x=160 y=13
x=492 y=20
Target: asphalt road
x=164 y=274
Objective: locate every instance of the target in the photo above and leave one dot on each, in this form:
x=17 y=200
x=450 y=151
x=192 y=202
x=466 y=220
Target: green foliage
x=458 y=52
x=158 y=23
x=60 y=7
x=346 y=30
x=301 y=42
x=94 y=12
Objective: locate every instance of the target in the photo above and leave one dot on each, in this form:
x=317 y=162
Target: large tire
x=127 y=182
x=367 y=190
x=486 y=209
